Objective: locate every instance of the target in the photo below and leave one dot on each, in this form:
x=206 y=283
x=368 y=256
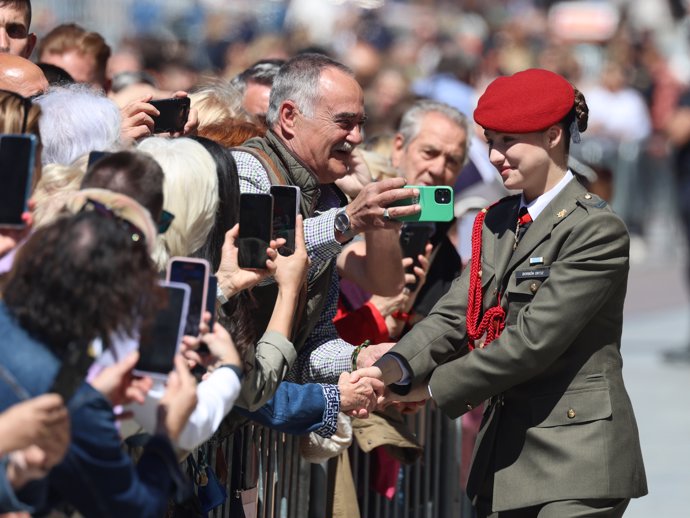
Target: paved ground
x=658 y=319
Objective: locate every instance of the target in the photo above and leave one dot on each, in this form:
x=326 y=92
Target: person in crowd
x=430 y=148
x=81 y=53
x=76 y=120
x=315 y=118
x=55 y=75
x=78 y=260
x=15 y=28
x=534 y=324
x=20 y=75
x=254 y=85
x=217 y=104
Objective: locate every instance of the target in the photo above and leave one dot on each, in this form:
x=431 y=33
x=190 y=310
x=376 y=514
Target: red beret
x=531 y=100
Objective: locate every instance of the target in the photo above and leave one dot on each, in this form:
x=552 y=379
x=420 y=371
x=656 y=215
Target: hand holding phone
x=173 y=116
x=286 y=199
x=17 y=155
x=413 y=239
x=160 y=339
x=256 y=230
x=436 y=203
x=195 y=273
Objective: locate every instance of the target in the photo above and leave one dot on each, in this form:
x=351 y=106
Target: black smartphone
x=173 y=114
x=95 y=156
x=286 y=199
x=211 y=308
x=413 y=239
x=160 y=339
x=256 y=229
x=17 y=155
x=195 y=273
x=73 y=370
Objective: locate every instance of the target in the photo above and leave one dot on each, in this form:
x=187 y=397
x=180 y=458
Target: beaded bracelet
x=355 y=353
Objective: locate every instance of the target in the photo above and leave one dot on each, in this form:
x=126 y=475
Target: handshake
x=365 y=389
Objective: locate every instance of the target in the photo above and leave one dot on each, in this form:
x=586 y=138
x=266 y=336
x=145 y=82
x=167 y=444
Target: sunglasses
x=165 y=221
x=136 y=234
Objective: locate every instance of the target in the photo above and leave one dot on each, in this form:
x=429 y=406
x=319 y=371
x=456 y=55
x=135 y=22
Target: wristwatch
x=343 y=224
x=221 y=296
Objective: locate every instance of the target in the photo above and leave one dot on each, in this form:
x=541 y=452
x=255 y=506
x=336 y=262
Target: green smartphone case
x=435 y=207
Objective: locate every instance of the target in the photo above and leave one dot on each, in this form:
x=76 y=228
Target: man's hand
x=367 y=212
x=370 y=354
x=358 y=176
x=358 y=397
x=137 y=119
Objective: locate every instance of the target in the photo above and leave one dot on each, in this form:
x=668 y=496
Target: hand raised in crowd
x=231 y=278
x=177 y=402
x=119 y=386
x=291 y=270
x=358 y=397
x=34 y=421
x=358 y=176
x=221 y=347
x=137 y=119
x=372 y=208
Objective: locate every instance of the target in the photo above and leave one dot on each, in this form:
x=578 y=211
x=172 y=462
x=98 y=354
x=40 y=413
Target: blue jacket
x=96 y=476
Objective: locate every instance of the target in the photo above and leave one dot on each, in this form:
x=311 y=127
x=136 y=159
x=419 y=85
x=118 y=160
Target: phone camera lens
x=442 y=196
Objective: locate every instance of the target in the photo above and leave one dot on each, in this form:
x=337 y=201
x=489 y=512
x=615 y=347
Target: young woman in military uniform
x=532 y=329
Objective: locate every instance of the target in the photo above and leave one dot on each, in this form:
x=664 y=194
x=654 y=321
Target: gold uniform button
x=571 y=413
x=588 y=196
x=533 y=287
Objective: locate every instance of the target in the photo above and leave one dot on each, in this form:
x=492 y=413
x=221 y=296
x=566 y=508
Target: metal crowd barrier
x=287 y=486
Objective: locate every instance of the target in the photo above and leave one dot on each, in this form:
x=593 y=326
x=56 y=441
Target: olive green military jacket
x=558 y=422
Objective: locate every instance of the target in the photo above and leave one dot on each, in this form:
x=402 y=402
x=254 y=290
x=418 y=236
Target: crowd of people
x=509 y=314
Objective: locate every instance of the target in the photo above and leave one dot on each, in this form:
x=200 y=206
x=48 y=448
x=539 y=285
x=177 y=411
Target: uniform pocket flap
x=573 y=407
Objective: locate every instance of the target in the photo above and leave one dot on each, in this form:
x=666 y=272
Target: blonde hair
x=217 y=102
x=12 y=106
x=190 y=192
x=56 y=186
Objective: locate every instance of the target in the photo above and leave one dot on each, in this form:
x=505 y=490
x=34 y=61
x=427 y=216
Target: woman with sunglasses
x=532 y=329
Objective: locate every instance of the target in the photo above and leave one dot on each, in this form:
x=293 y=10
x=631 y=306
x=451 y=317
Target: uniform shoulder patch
x=592 y=200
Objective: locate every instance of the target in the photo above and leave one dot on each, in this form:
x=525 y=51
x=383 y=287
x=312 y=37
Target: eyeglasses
x=27 y=104
x=136 y=234
x=165 y=221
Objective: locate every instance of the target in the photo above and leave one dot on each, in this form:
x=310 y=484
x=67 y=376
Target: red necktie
x=523 y=223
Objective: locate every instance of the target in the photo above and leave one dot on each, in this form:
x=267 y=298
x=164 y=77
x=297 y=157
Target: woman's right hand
x=291 y=270
x=178 y=401
x=231 y=278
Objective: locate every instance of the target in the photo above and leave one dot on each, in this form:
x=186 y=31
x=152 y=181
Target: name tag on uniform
x=536 y=273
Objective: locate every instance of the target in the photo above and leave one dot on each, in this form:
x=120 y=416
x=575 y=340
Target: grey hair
x=411 y=121
x=262 y=72
x=298 y=81
x=75 y=120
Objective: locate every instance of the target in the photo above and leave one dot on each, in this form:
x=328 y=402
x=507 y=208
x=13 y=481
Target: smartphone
x=436 y=203
x=195 y=273
x=173 y=114
x=160 y=339
x=95 y=156
x=413 y=239
x=286 y=200
x=256 y=229
x=17 y=155
x=211 y=308
x=73 y=370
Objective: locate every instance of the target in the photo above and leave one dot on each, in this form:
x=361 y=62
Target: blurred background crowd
x=630 y=58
